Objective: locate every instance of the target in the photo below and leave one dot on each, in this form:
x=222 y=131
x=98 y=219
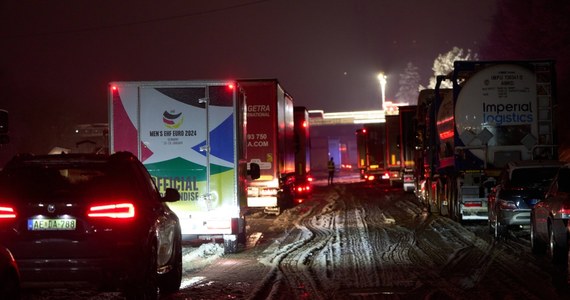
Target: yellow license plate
x=51 y=224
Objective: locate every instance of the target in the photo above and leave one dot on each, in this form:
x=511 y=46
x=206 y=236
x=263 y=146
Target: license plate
x=51 y=224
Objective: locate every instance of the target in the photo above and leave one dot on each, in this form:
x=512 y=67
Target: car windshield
x=37 y=181
x=533 y=177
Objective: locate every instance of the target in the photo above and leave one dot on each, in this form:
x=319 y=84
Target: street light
x=382 y=78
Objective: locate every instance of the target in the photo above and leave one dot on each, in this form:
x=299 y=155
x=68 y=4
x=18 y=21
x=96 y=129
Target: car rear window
x=37 y=181
x=533 y=177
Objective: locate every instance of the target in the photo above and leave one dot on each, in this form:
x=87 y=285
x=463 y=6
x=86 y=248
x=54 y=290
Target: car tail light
x=563 y=212
x=7 y=212
x=507 y=204
x=370 y=177
x=115 y=211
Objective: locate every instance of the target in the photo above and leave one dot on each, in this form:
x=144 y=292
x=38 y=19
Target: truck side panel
x=270 y=139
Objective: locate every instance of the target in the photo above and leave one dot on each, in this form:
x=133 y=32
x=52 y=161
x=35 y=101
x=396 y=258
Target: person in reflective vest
x=331 y=171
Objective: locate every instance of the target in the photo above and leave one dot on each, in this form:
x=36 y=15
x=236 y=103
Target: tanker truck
x=495 y=112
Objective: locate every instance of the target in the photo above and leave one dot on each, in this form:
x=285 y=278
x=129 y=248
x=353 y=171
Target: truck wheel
x=442 y=200
x=454 y=203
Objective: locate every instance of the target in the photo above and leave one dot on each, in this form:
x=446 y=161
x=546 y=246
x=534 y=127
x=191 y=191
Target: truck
x=190 y=135
x=393 y=150
x=408 y=145
x=270 y=144
x=371 y=152
x=495 y=112
x=302 y=144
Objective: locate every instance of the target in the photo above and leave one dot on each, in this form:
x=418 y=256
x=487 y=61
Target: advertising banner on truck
x=181 y=135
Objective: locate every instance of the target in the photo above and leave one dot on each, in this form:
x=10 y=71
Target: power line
x=157 y=20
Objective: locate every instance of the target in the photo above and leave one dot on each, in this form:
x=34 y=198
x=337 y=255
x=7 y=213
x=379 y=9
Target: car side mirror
x=171 y=195
x=253 y=171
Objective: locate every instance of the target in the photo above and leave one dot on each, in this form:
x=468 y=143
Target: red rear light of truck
x=7 y=212
x=124 y=210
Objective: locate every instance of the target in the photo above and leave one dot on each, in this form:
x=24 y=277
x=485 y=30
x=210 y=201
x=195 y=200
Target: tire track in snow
x=290 y=272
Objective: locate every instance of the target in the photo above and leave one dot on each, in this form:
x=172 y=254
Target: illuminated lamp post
x=382 y=78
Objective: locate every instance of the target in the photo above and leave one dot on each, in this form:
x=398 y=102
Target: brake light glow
x=7 y=212
x=563 y=212
x=115 y=211
x=507 y=205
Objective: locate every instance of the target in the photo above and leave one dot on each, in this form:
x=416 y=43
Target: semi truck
x=270 y=144
x=408 y=145
x=393 y=153
x=495 y=112
x=190 y=135
x=371 y=152
x=302 y=143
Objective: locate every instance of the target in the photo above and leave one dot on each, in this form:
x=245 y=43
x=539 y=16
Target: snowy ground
x=357 y=241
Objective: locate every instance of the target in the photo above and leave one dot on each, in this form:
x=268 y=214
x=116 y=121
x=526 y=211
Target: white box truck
x=190 y=135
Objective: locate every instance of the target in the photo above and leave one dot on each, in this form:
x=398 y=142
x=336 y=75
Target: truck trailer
x=303 y=178
x=270 y=144
x=190 y=135
x=496 y=112
x=408 y=145
x=393 y=150
x=371 y=152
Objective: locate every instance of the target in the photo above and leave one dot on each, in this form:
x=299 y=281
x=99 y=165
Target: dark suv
x=74 y=219
x=520 y=187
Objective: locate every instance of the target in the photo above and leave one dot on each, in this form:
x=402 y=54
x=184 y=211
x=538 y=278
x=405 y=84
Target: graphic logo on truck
x=172 y=120
x=500 y=99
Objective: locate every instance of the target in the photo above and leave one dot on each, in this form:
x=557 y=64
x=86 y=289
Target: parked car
x=549 y=219
x=9 y=275
x=520 y=186
x=87 y=218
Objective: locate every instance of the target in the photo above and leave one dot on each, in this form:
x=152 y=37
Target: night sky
x=57 y=57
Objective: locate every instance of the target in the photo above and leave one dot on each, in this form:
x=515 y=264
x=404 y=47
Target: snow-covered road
x=358 y=241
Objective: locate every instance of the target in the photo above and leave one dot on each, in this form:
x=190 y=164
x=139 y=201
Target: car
x=550 y=217
x=302 y=189
x=75 y=219
x=520 y=186
x=9 y=275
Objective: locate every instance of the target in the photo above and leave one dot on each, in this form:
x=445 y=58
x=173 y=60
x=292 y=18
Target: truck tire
x=453 y=200
x=442 y=200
